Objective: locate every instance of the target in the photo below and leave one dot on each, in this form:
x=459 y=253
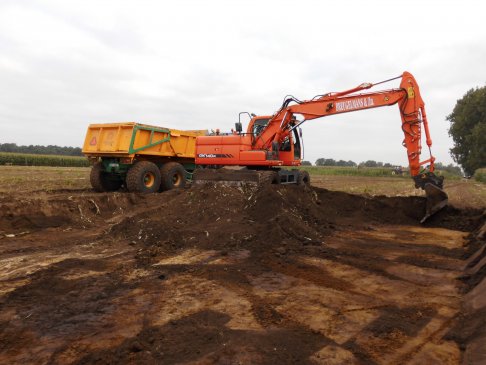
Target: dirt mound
x=277 y=219
x=319 y=209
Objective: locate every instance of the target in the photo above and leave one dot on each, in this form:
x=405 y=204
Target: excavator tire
x=143 y=177
x=268 y=178
x=303 y=179
x=173 y=176
x=102 y=181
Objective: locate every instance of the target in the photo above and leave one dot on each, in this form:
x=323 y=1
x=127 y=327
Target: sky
x=197 y=64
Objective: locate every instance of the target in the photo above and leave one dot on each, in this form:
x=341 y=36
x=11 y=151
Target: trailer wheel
x=173 y=176
x=303 y=178
x=102 y=181
x=143 y=177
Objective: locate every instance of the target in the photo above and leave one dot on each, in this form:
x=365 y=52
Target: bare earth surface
x=226 y=275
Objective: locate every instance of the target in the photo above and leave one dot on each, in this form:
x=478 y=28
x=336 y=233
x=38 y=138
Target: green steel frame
x=136 y=128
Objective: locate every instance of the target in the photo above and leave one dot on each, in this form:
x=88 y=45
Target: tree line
x=349 y=163
x=41 y=150
x=453 y=169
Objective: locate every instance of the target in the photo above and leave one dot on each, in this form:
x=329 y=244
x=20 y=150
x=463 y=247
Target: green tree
x=331 y=162
x=453 y=169
x=325 y=162
x=306 y=163
x=370 y=163
x=468 y=130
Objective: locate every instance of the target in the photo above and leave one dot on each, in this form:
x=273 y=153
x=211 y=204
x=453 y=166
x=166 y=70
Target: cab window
x=258 y=126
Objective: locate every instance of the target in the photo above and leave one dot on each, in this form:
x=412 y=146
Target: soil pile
x=219 y=217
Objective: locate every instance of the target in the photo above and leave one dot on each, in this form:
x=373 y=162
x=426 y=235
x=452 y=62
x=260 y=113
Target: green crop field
x=348 y=171
x=365 y=171
x=22 y=159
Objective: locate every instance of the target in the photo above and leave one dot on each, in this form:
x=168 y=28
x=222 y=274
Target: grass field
x=365 y=171
x=43 y=178
x=462 y=192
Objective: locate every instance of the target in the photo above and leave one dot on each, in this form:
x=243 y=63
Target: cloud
x=196 y=65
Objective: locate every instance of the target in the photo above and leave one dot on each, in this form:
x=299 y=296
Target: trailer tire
x=143 y=177
x=101 y=181
x=303 y=178
x=173 y=176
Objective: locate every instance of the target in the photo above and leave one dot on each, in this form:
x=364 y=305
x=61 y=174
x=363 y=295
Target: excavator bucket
x=436 y=200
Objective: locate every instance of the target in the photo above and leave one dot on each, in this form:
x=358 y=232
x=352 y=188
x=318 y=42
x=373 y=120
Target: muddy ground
x=212 y=275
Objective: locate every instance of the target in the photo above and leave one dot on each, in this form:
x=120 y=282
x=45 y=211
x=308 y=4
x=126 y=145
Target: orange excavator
x=274 y=141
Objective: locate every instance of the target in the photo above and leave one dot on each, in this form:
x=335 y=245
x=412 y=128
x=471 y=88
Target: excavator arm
x=410 y=102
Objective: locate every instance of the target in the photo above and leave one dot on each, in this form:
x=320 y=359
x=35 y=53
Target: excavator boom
x=271 y=142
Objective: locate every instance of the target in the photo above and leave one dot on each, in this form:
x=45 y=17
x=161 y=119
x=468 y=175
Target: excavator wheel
x=268 y=178
x=236 y=177
x=303 y=179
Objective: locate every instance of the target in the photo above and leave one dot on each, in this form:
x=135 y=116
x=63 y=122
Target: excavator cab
x=258 y=127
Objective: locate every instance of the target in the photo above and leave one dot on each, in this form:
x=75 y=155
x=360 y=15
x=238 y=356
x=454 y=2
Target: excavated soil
x=236 y=275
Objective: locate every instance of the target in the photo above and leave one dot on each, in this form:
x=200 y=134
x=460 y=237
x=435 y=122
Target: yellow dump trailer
x=141 y=157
